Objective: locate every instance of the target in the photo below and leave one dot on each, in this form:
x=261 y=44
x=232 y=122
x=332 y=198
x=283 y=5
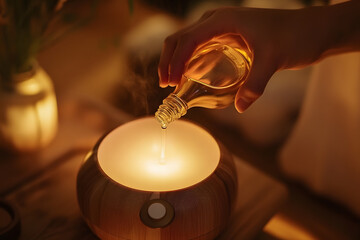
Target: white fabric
x=323 y=150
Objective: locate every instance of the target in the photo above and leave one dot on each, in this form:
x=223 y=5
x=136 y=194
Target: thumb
x=254 y=86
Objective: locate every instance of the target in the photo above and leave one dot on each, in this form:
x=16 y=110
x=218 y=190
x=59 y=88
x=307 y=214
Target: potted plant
x=28 y=107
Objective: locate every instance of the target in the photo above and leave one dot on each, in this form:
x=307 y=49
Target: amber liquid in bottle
x=211 y=80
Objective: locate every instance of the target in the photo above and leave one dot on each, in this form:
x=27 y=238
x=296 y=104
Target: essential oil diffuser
x=130 y=188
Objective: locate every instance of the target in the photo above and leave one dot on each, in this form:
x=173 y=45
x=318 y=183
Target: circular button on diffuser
x=157 y=213
x=157 y=210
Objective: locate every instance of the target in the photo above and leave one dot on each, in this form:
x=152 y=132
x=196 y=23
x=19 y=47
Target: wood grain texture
x=112 y=210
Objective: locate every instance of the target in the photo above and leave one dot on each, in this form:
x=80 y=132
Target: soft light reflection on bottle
x=130 y=155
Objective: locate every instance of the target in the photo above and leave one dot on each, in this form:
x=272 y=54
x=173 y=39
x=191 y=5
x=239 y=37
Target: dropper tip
x=160 y=119
x=172 y=108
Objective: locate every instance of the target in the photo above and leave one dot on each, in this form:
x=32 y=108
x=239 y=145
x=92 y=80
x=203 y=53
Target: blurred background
x=112 y=58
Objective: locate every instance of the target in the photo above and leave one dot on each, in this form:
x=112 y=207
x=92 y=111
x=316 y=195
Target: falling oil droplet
x=163 y=145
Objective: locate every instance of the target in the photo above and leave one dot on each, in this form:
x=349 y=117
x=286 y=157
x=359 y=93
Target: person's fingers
x=254 y=86
x=167 y=52
x=187 y=43
x=166 y=55
x=179 y=47
x=183 y=51
x=169 y=47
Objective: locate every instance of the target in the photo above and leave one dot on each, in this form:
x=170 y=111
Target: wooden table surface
x=42 y=185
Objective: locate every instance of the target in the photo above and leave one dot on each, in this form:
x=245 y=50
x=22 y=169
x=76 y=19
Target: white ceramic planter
x=28 y=111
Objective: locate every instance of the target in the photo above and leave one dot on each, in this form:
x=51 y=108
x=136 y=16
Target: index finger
x=179 y=47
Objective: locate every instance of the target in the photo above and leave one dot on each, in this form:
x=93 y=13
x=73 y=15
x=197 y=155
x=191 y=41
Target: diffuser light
x=131 y=155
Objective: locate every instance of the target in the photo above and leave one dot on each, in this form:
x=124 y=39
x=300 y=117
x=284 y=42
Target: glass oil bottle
x=211 y=78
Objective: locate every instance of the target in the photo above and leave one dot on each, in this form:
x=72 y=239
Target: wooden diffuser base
x=114 y=211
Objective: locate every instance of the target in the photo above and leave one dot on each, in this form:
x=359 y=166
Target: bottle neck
x=172 y=108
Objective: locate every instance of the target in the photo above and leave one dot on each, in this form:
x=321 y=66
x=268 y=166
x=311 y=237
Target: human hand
x=278 y=39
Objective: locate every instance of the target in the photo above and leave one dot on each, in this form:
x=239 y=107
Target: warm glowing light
x=282 y=227
x=32 y=126
x=131 y=155
x=29 y=114
x=30 y=87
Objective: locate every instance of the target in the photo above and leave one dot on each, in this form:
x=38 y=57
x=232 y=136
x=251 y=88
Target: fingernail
x=172 y=84
x=163 y=85
x=174 y=80
x=242 y=104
